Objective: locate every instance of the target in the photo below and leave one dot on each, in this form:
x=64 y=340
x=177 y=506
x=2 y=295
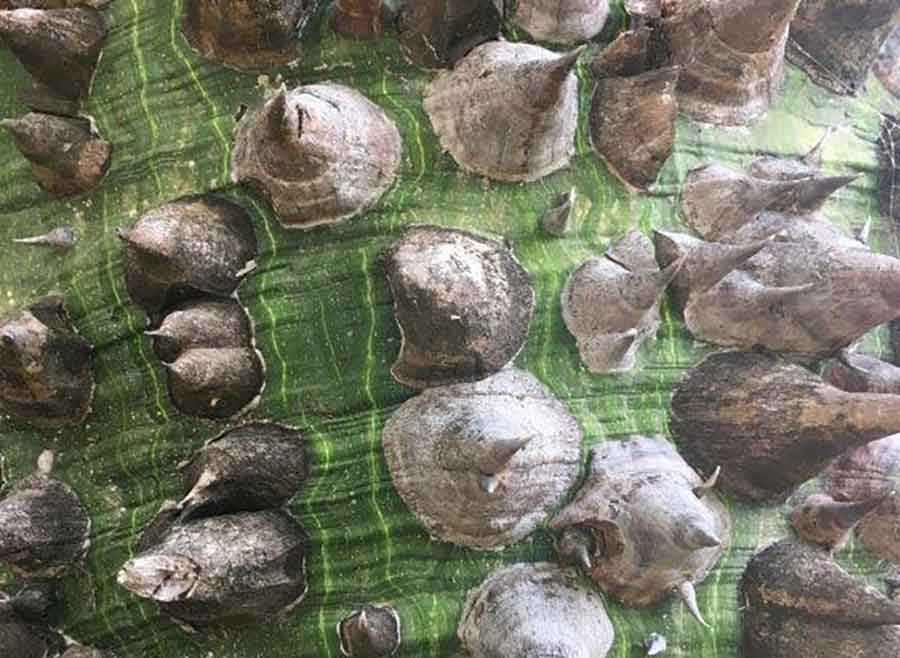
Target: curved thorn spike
x=813 y=157
x=688 y=595
x=709 y=484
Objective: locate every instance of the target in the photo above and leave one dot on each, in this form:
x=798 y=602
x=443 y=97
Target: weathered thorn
x=688 y=595
x=655 y=644
x=488 y=482
x=557 y=221
x=708 y=485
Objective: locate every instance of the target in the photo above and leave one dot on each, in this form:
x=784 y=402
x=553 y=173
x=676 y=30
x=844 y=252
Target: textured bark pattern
x=463 y=304
x=507 y=111
x=771 y=425
x=532 y=611
x=319 y=153
x=483 y=464
x=648 y=531
x=561 y=21
x=324 y=322
x=45 y=366
x=246 y=34
x=224 y=571
x=798 y=603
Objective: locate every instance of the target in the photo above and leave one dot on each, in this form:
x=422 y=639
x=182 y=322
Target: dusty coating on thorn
x=483 y=464
x=611 y=304
x=798 y=603
x=246 y=34
x=319 y=153
x=770 y=424
x=463 y=304
x=45 y=528
x=534 y=611
x=45 y=366
x=645 y=529
x=224 y=571
x=67 y=155
x=561 y=21
x=507 y=111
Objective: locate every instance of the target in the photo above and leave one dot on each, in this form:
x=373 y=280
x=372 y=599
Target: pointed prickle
x=201 y=323
x=575 y=546
x=709 y=484
x=751 y=26
x=517 y=124
x=813 y=157
x=216 y=382
x=362 y=20
x=436 y=33
x=61 y=239
x=557 y=221
x=60 y=48
x=695 y=534
x=246 y=35
x=373 y=632
x=655 y=644
x=688 y=595
x=562 y=22
x=47 y=379
x=164 y=578
x=549 y=77
x=224 y=571
x=321 y=153
x=809 y=194
x=489 y=483
x=67 y=155
x=279 y=118
x=250 y=468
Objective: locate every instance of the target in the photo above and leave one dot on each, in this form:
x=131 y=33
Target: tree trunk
x=324 y=324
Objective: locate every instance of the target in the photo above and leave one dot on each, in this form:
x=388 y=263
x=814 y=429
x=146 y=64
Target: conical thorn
x=708 y=485
x=688 y=595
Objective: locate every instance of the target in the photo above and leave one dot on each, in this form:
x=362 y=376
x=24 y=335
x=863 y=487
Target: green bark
x=324 y=325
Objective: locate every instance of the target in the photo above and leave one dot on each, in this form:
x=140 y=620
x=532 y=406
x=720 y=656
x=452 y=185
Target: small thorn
x=583 y=558
x=45 y=462
x=62 y=239
x=688 y=595
x=655 y=644
x=489 y=483
x=709 y=484
x=865 y=231
x=557 y=221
